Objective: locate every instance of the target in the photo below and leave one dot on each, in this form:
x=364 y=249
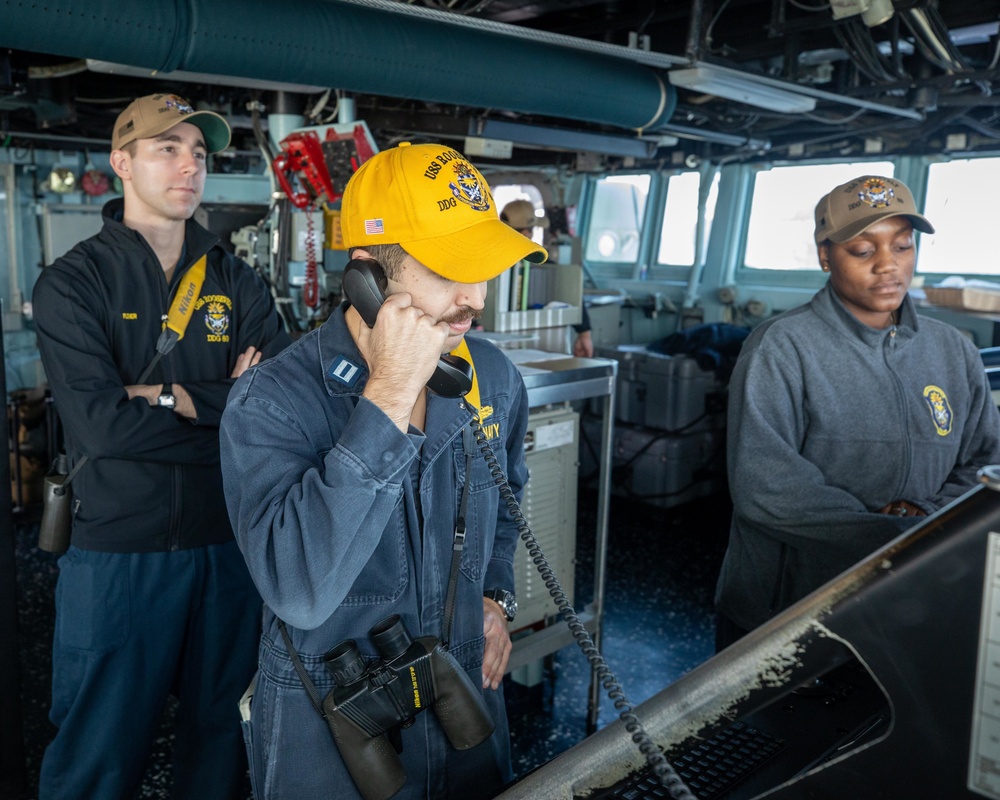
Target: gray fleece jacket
x=830 y=420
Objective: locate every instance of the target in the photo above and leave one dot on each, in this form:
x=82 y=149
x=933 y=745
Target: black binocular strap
x=458 y=543
x=311 y=689
x=61 y=490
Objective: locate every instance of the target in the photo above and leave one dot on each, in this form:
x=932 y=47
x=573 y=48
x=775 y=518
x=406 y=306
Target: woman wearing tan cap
x=850 y=417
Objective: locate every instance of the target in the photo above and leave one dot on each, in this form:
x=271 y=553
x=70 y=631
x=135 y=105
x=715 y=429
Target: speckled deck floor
x=662 y=565
x=658 y=619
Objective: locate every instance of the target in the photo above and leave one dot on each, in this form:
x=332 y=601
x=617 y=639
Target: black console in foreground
x=813 y=724
x=885 y=683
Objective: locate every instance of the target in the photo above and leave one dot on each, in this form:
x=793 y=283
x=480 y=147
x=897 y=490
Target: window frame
x=811 y=278
x=613 y=270
x=646 y=268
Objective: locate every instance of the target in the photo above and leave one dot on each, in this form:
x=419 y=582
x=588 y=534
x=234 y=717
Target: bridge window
x=960 y=207
x=780 y=230
x=616 y=215
x=680 y=218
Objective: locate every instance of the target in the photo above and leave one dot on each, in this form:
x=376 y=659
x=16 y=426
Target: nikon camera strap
x=174 y=327
x=179 y=314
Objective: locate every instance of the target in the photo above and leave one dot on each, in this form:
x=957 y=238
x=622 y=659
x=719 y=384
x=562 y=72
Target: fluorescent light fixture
x=538 y=136
x=111 y=68
x=741 y=87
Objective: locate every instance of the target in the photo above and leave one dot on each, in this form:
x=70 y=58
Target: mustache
x=463 y=314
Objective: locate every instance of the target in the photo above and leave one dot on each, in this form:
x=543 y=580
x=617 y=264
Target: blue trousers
x=132 y=628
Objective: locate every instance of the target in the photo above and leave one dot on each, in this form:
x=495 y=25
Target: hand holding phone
x=364 y=286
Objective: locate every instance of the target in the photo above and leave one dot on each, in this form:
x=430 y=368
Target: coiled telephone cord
x=657 y=761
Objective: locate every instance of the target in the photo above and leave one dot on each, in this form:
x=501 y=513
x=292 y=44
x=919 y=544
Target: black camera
x=369 y=703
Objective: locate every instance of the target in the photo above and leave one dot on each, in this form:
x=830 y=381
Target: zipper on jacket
x=888 y=350
x=176 y=471
x=173 y=534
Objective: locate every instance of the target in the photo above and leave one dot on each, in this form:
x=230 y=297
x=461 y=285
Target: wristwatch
x=166 y=398
x=505 y=600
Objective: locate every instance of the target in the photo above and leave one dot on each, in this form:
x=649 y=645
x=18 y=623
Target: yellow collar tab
x=472 y=398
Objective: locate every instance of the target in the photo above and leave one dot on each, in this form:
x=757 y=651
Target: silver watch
x=166 y=398
x=505 y=600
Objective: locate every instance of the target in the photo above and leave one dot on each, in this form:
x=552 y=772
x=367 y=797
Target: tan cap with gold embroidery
x=853 y=207
x=153 y=114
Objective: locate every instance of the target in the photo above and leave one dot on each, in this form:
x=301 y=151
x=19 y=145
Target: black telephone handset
x=364 y=286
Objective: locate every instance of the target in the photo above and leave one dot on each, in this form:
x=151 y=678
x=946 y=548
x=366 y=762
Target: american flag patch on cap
x=374 y=226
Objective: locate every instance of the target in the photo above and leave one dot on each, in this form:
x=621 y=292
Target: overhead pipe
x=284 y=117
x=696 y=31
x=349 y=46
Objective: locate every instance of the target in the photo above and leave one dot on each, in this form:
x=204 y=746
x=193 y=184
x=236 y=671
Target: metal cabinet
x=554 y=382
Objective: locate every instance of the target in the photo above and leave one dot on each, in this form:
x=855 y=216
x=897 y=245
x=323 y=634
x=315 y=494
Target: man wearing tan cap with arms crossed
x=153 y=596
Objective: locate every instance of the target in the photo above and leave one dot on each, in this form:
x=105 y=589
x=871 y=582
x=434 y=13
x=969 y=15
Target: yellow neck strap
x=187 y=293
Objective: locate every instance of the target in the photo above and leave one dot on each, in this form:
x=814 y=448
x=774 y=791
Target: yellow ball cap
x=430 y=200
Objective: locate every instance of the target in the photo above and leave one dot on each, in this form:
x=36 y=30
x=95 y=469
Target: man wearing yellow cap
x=153 y=596
x=358 y=494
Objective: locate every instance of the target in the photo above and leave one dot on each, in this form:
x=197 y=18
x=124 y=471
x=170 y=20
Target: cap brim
x=477 y=253
x=213 y=127
x=919 y=222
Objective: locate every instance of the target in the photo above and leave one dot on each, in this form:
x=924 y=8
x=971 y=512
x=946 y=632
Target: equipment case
x=671 y=393
x=656 y=467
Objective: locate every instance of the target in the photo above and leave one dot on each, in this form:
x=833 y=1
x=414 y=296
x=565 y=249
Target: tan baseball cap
x=853 y=207
x=430 y=200
x=149 y=116
x=520 y=214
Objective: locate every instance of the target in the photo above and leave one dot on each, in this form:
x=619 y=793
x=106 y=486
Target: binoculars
x=368 y=703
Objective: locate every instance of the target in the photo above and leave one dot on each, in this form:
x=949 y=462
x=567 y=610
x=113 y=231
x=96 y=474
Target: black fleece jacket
x=152 y=481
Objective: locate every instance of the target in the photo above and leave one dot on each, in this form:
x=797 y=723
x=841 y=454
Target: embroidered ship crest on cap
x=467 y=189
x=179 y=103
x=876 y=193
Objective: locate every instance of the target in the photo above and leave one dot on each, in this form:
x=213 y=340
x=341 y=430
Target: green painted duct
x=347 y=46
